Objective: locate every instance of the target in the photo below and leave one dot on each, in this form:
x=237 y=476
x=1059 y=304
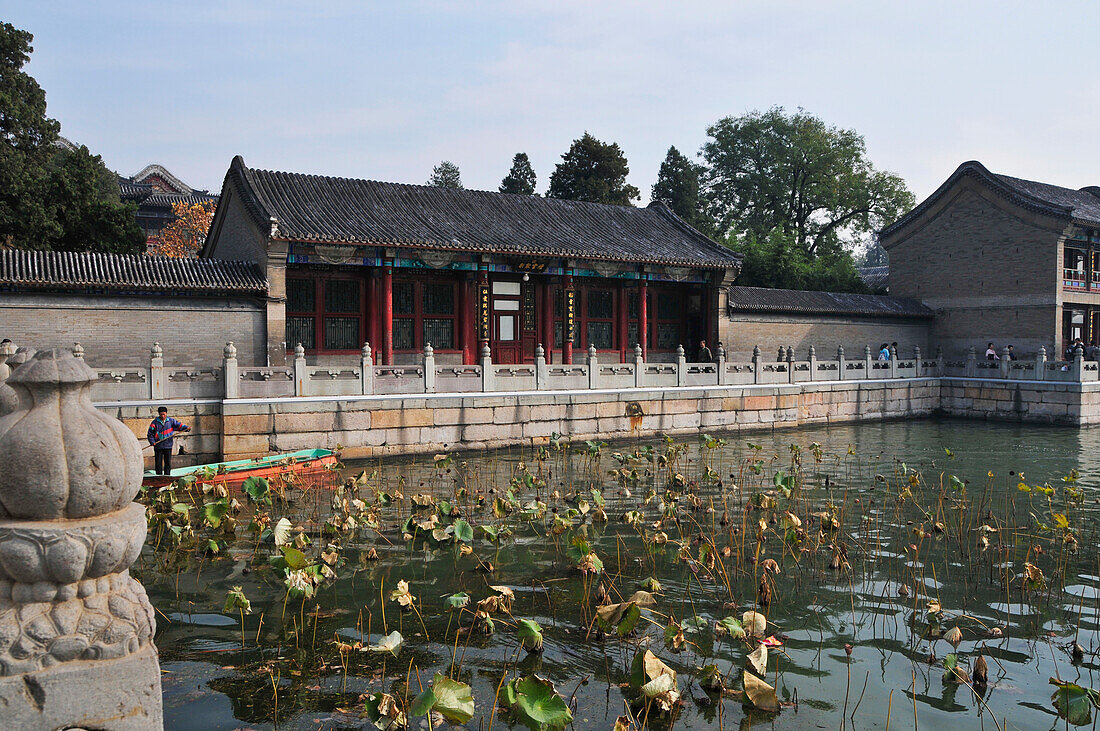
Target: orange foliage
x=185 y=236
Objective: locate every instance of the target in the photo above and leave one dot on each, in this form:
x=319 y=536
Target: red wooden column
x=387 y=312
x=624 y=305
x=465 y=320
x=643 y=316
x=372 y=309
x=569 y=318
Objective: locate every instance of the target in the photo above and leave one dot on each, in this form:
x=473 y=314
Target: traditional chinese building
x=1001 y=259
x=155 y=190
x=404 y=266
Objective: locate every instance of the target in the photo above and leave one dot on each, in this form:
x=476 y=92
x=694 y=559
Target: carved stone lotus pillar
x=76 y=631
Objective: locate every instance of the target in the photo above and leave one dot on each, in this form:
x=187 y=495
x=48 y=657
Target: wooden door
x=506 y=321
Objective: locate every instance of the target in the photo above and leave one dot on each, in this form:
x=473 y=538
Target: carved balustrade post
x=542 y=373
x=366 y=372
x=756 y=365
x=868 y=364
x=232 y=376
x=720 y=363
x=918 y=371
x=840 y=362
x=76 y=631
x=429 y=368
x=812 y=357
x=301 y=375
x=1041 y=364
x=639 y=366
x=681 y=365
x=593 y=367
x=971 y=363
x=156 y=372
x=486 y=368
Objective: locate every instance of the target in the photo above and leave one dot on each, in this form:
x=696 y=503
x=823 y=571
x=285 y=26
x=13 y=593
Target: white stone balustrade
x=230 y=380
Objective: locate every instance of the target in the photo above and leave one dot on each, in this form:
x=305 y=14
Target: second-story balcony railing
x=1075 y=279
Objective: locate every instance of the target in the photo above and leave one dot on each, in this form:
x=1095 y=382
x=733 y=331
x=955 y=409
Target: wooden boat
x=302 y=462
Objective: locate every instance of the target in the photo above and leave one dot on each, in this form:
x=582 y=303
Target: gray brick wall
x=116 y=330
x=989 y=269
x=747 y=329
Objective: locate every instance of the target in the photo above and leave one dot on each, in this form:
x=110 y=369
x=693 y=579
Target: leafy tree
x=677 y=187
x=777 y=260
x=593 y=171
x=772 y=170
x=185 y=236
x=445 y=175
x=85 y=207
x=521 y=178
x=26 y=137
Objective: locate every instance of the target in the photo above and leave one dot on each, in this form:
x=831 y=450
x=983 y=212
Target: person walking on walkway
x=161 y=437
x=705 y=356
x=884 y=352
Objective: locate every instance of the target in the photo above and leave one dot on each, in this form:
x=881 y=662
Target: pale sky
x=387 y=90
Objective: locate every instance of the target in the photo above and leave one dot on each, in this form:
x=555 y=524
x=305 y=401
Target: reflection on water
x=290 y=673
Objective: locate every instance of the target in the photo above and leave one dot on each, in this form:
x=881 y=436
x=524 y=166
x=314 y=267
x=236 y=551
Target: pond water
x=905 y=534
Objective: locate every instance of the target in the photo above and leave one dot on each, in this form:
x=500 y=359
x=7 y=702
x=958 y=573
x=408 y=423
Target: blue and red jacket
x=161 y=431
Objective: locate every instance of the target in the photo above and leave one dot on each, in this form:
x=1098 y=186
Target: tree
x=185 y=236
x=593 y=171
x=81 y=198
x=770 y=170
x=445 y=175
x=51 y=197
x=26 y=136
x=677 y=187
x=776 y=260
x=521 y=178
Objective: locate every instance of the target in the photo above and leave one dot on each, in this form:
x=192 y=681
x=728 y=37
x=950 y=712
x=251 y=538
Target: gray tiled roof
x=760 y=299
x=1081 y=206
x=167 y=200
x=67 y=270
x=342 y=210
x=1084 y=205
x=875 y=277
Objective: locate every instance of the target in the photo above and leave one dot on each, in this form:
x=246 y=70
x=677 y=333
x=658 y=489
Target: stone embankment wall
x=369 y=426
x=1071 y=404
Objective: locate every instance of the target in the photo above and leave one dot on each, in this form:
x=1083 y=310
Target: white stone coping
x=552 y=394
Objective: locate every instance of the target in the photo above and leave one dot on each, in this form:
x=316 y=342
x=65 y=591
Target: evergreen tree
x=593 y=171
x=445 y=175
x=88 y=214
x=677 y=187
x=26 y=138
x=521 y=178
x=51 y=197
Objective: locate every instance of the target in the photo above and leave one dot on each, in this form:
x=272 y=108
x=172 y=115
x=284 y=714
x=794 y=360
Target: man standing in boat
x=161 y=437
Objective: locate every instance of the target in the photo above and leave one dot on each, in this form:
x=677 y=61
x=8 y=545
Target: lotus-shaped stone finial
x=62 y=458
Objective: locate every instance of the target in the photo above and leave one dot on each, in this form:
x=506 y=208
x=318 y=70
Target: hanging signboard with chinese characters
x=570 y=315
